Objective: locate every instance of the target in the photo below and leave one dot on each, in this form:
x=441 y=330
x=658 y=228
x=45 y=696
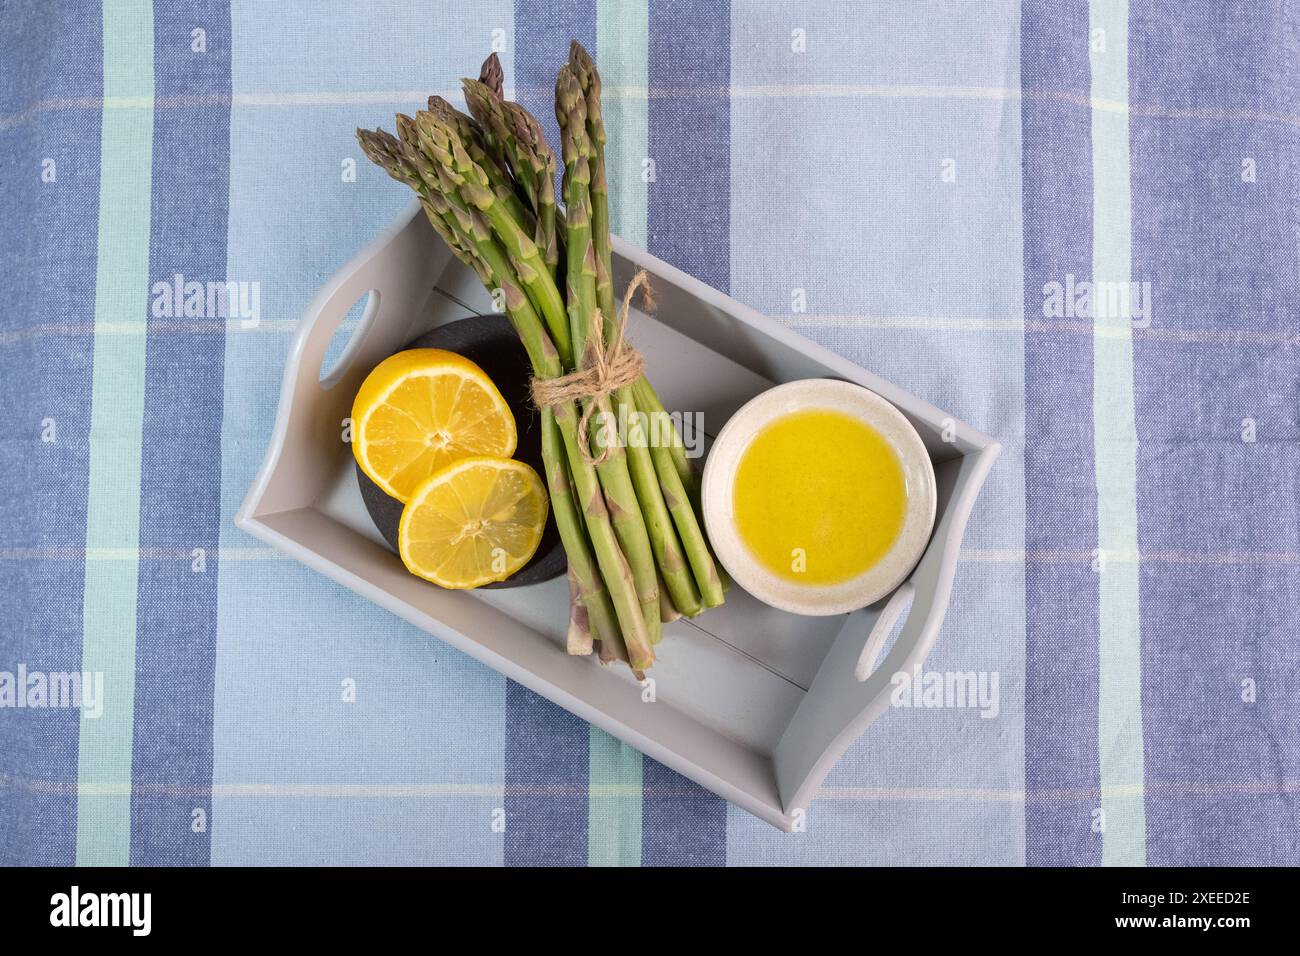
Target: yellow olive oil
x=819 y=497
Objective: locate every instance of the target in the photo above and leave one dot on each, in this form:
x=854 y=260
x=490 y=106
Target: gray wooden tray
x=753 y=703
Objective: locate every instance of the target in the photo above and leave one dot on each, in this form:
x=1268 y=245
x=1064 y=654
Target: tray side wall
x=838 y=706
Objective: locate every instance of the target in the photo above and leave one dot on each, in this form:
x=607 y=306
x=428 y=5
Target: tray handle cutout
x=393 y=277
x=345 y=343
x=889 y=623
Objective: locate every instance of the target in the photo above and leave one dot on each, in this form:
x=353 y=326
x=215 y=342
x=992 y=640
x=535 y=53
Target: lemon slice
x=476 y=521
x=422 y=409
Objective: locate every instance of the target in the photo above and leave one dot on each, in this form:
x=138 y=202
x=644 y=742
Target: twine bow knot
x=604 y=369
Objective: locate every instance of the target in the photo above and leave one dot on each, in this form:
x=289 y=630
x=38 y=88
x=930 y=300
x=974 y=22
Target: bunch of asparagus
x=627 y=511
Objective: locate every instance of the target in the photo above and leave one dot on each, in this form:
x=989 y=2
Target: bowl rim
x=865 y=406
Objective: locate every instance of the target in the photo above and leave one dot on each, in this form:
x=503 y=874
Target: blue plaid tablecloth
x=955 y=195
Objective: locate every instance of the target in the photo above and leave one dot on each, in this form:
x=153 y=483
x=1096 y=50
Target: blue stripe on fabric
x=1218 y=521
x=688 y=223
x=689 y=216
x=545 y=782
x=1062 y=777
x=171 y=767
x=546 y=748
x=47 y=282
x=543 y=31
x=682 y=824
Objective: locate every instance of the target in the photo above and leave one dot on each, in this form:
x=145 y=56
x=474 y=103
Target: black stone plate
x=490 y=343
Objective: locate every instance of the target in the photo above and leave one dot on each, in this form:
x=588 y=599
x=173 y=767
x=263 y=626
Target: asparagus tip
x=578 y=54
x=492 y=76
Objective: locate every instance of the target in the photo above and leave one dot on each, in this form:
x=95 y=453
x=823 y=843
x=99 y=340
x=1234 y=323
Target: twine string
x=605 y=368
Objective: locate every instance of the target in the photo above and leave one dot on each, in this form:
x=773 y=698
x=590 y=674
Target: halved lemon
x=422 y=409
x=476 y=521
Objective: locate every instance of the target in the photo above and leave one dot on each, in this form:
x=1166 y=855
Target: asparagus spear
x=620 y=494
x=584 y=71
x=673 y=567
x=649 y=401
x=675 y=573
x=648 y=398
x=679 y=505
x=528 y=131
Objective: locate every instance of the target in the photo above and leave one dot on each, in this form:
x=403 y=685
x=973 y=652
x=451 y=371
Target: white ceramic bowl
x=719 y=478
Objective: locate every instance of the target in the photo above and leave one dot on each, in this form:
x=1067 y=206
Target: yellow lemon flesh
x=476 y=521
x=422 y=409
